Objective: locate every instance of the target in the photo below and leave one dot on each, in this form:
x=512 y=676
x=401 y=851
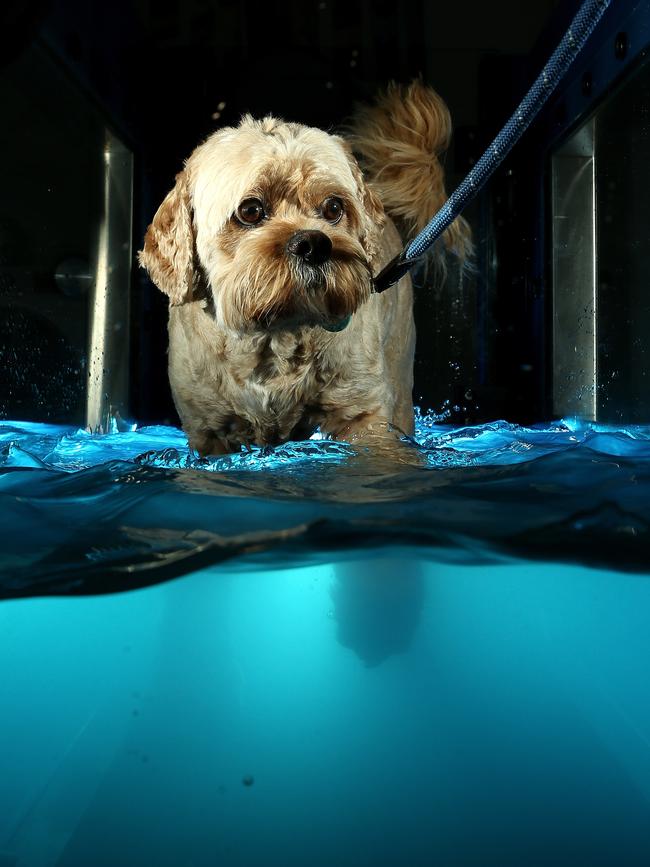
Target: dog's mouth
x=317 y=296
x=310 y=278
x=280 y=293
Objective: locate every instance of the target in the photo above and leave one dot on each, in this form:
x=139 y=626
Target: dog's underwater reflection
x=377 y=606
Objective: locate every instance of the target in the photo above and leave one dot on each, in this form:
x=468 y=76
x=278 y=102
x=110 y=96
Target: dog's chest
x=270 y=388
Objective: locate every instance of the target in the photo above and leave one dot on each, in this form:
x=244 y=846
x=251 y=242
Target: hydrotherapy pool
x=358 y=664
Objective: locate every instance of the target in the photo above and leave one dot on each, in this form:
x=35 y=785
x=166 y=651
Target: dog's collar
x=339 y=326
x=394 y=271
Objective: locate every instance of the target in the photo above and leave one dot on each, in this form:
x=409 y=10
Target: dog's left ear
x=374 y=216
x=168 y=253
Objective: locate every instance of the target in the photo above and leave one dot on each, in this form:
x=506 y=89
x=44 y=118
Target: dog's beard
x=264 y=287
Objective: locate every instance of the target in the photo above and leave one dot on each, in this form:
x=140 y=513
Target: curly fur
x=252 y=354
x=400 y=141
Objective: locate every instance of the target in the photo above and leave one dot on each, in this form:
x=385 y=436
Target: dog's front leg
x=367 y=425
x=208 y=444
x=379 y=438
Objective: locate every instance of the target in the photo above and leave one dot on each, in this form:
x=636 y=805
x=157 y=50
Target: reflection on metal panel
x=601 y=267
x=65 y=250
x=574 y=276
x=108 y=350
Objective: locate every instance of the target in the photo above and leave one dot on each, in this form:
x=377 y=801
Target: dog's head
x=276 y=219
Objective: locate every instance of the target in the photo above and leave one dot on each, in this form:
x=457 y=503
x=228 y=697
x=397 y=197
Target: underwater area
x=355 y=664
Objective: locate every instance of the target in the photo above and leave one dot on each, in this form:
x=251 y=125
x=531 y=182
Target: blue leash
x=579 y=31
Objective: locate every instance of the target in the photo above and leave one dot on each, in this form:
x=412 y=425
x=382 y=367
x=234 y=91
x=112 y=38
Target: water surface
x=83 y=513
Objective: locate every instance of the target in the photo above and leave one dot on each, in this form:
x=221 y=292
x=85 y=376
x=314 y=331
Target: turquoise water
x=357 y=663
x=91 y=514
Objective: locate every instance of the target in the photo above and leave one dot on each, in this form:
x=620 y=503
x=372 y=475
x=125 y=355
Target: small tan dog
x=267 y=246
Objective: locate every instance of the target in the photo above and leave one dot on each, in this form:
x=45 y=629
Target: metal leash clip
x=393 y=272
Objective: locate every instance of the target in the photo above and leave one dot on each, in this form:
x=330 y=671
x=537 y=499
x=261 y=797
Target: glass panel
x=601 y=271
x=574 y=276
x=622 y=183
x=65 y=205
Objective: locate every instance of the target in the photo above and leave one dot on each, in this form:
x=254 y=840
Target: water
x=128 y=509
x=359 y=663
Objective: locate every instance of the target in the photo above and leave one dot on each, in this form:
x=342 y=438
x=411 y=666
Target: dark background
x=158 y=70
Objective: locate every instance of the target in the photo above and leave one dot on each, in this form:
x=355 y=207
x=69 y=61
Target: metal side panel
x=574 y=276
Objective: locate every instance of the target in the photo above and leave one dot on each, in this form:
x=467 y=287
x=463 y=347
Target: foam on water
x=124 y=509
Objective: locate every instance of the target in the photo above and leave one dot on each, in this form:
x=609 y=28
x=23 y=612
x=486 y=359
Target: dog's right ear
x=168 y=253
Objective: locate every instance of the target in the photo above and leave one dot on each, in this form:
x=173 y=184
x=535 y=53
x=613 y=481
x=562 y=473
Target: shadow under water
x=88 y=514
x=377 y=606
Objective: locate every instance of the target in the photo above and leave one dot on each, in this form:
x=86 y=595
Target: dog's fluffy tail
x=400 y=141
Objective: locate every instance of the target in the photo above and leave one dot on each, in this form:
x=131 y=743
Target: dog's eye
x=332 y=209
x=250 y=212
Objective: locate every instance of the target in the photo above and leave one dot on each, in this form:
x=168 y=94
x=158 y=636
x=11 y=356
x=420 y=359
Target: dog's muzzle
x=312 y=247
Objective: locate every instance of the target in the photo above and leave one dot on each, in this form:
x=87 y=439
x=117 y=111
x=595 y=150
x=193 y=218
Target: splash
x=95 y=513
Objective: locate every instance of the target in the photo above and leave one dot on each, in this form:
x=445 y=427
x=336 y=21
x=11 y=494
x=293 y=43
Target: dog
x=267 y=246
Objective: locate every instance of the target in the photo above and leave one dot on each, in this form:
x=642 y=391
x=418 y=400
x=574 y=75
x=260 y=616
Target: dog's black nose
x=312 y=246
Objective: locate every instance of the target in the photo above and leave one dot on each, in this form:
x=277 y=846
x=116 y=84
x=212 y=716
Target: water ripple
x=84 y=513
